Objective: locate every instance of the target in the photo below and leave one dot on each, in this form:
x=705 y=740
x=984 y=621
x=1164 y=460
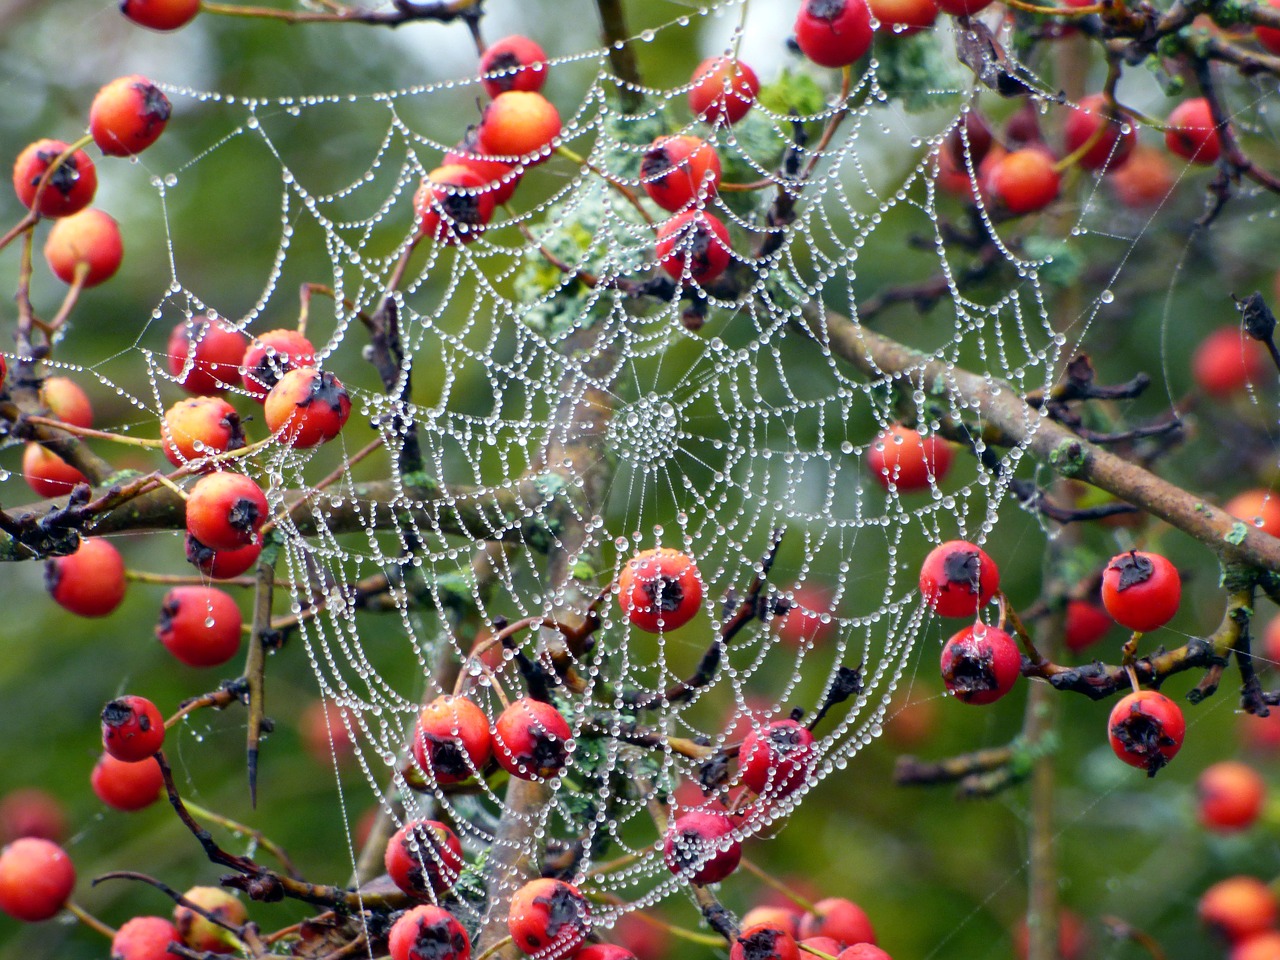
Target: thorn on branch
x=847 y=683
x=1259 y=322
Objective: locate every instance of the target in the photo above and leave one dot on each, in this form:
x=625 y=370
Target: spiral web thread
x=711 y=440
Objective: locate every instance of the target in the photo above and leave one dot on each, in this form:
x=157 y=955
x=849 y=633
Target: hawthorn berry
x=454 y=204
x=501 y=178
x=31 y=812
x=270 y=356
x=36 y=879
x=1227 y=361
x=1141 y=590
x=1085 y=624
x=85 y=245
x=1190 y=132
x=531 y=739
x=1259 y=508
x=1229 y=796
x=47 y=473
x=694 y=241
x=160 y=14
x=213 y=351
x=128 y=115
x=144 y=938
x=220 y=564
x=679 y=171
x=722 y=90
x=660 y=589
x=428 y=933
x=519 y=124
x=803 y=622
x=903 y=17
x=1269 y=37
x=549 y=919
x=833 y=33
x=200 y=933
x=698 y=847
x=900 y=458
x=513 y=63
x=325 y=734
x=604 y=951
x=307 y=407
x=199 y=625
x=840 y=919
x=70 y=187
x=764 y=941
x=424 y=857
x=962 y=8
x=67 y=401
x=863 y=951
x=824 y=944
x=1112 y=147
x=1146 y=729
x=200 y=427
x=776 y=757
x=957 y=578
x=980 y=664
x=1238 y=908
x=1145 y=181
x=132 y=728
x=1023 y=181
x=451 y=740
x=1260 y=946
x=89 y=582
x=226 y=510
x=126 y=786
x=785 y=917
x=968 y=141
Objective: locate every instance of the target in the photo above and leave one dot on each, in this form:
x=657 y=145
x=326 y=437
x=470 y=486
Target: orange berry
x=307 y=407
x=1227 y=361
x=454 y=204
x=1238 y=907
x=1023 y=181
x=519 y=124
x=47 y=473
x=88 y=241
x=71 y=186
x=1229 y=796
x=128 y=115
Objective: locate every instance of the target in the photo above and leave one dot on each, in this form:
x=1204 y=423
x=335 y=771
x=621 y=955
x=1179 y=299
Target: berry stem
x=259 y=838
x=763 y=875
x=494 y=948
x=255 y=663
x=68 y=304
x=89 y=920
x=618 y=185
x=74 y=430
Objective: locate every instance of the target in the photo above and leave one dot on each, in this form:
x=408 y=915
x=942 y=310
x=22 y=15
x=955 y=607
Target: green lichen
x=912 y=70
x=1235 y=536
x=1068 y=458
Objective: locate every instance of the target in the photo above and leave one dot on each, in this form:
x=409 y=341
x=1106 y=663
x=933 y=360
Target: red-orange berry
x=501 y=178
x=531 y=739
x=1023 y=181
x=67 y=401
x=1229 y=796
x=900 y=458
x=694 y=245
x=980 y=664
x=1141 y=590
x=660 y=589
x=833 y=33
x=1227 y=361
x=36 y=879
x=220 y=564
x=31 y=812
x=785 y=917
x=1112 y=147
x=722 y=90
x=775 y=758
x=70 y=187
x=128 y=115
x=144 y=938
x=428 y=933
x=454 y=204
x=549 y=919
x=1238 y=908
x=957 y=578
x=270 y=356
x=126 y=786
x=1190 y=132
x=202 y=934
x=424 y=857
x=764 y=941
x=213 y=351
x=519 y=124
x=863 y=951
x=803 y=622
x=903 y=17
x=840 y=919
x=699 y=846
x=1259 y=508
x=604 y=951
x=1260 y=946
x=307 y=407
x=1146 y=730
x=1145 y=181
x=89 y=582
x=679 y=171
x=1085 y=624
x=132 y=728
x=1269 y=37
x=513 y=63
x=47 y=473
x=962 y=8
x=226 y=510
x=200 y=427
x=86 y=245
x=200 y=625
x=452 y=741
x=160 y=14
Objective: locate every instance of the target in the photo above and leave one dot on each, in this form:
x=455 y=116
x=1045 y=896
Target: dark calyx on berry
x=1134 y=569
x=564 y=909
x=64 y=178
x=656 y=163
x=689 y=848
x=970 y=672
x=118 y=712
x=235 y=439
x=963 y=567
x=761 y=945
x=1144 y=736
x=244 y=515
x=448 y=755
x=155 y=105
x=325 y=390
x=503 y=70
x=437 y=940
x=829 y=10
x=786 y=739
x=546 y=753
x=665 y=593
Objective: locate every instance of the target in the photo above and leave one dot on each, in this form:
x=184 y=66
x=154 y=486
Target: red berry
x=840 y=919
x=1023 y=181
x=863 y=951
x=1146 y=729
x=128 y=115
x=200 y=427
x=722 y=90
x=47 y=473
x=764 y=941
x=323 y=727
x=1190 y=132
x=127 y=786
x=1086 y=624
x=962 y=8
x=1227 y=361
x=604 y=951
x=226 y=510
x=424 y=857
x=660 y=589
x=132 y=728
x=36 y=879
x=452 y=740
x=1269 y=37
x=1145 y=181
x=1258 y=508
x=307 y=407
x=1141 y=590
x=160 y=14
x=825 y=944
x=31 y=812
x=428 y=933
x=900 y=458
x=499 y=176
x=200 y=933
x=698 y=847
x=776 y=757
x=549 y=919
x=144 y=938
x=519 y=124
x=834 y=33
x=221 y=564
x=71 y=186
x=903 y=17
x=957 y=578
x=199 y=625
x=89 y=582
x=980 y=664
x=1238 y=908
x=679 y=171
x=67 y=401
x=454 y=204
x=694 y=242
x=213 y=351
x=272 y=355
x=1260 y=946
x=531 y=739
x=803 y=623
x=513 y=63
x=85 y=244
x=1229 y=796
x=784 y=917
x=1112 y=148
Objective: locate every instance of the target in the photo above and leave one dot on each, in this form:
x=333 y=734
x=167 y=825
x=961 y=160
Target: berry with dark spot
x=272 y=355
x=126 y=786
x=307 y=407
x=1141 y=590
x=132 y=728
x=454 y=204
x=957 y=578
x=1146 y=730
x=679 y=171
x=452 y=741
x=144 y=938
x=220 y=564
x=694 y=245
x=549 y=919
x=775 y=758
x=513 y=63
x=70 y=187
x=500 y=177
x=213 y=351
x=428 y=933
x=1190 y=132
x=699 y=847
x=36 y=879
x=200 y=933
x=89 y=582
x=531 y=739
x=226 y=510
x=980 y=664
x=660 y=589
x=764 y=941
x=200 y=427
x=200 y=625
x=424 y=857
x=128 y=115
